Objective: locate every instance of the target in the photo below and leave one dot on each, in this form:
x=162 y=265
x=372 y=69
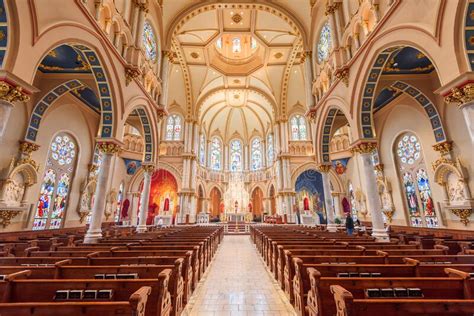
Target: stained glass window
x=216 y=154
x=54 y=191
x=173 y=127
x=426 y=199
x=257 y=155
x=270 y=150
x=236 y=47
x=298 y=128
x=202 y=150
x=413 y=175
x=324 y=43
x=149 y=41
x=408 y=149
x=235 y=155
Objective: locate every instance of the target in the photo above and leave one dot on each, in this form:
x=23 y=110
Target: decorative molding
x=131 y=73
x=379 y=167
x=28 y=148
x=463 y=214
x=311 y=114
x=389 y=214
x=461 y=95
x=343 y=75
x=330 y=9
x=442 y=160
x=12 y=94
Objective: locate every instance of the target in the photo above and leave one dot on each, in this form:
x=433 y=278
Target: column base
x=380 y=235
x=332 y=228
x=92 y=237
x=141 y=229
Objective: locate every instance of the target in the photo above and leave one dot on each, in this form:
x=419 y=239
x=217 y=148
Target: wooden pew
x=347 y=305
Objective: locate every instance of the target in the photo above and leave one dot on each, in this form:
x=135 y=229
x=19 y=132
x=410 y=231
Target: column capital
x=27 y=147
x=444 y=147
x=364 y=147
x=131 y=73
x=311 y=114
x=110 y=147
x=324 y=168
x=148 y=167
x=461 y=95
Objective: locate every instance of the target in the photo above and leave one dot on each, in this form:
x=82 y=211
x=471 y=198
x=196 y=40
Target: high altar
x=236 y=200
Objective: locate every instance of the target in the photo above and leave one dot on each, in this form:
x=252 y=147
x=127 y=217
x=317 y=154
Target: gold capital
x=364 y=148
x=108 y=148
x=324 y=168
x=11 y=94
x=461 y=95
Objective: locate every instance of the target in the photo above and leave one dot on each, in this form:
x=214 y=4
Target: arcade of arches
x=133 y=111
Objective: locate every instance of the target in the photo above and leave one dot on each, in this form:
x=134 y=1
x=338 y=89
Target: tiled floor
x=238 y=283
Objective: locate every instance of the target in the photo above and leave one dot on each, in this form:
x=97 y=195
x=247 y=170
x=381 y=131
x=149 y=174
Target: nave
x=238 y=283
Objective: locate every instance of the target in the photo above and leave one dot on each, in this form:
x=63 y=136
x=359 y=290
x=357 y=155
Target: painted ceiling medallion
x=236 y=96
x=236 y=81
x=194 y=55
x=237 y=18
x=278 y=55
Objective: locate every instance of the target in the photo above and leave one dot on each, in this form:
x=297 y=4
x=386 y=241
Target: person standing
x=349 y=224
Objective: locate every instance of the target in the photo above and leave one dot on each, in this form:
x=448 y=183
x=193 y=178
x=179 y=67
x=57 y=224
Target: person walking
x=349 y=224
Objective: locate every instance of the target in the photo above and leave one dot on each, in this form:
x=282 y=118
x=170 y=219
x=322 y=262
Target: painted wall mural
x=310 y=193
x=132 y=166
x=163 y=195
x=340 y=165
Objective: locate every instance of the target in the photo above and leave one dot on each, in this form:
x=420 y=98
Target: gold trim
x=389 y=214
x=148 y=168
x=324 y=168
x=461 y=95
x=444 y=147
x=131 y=74
x=364 y=148
x=108 y=148
x=463 y=214
x=11 y=94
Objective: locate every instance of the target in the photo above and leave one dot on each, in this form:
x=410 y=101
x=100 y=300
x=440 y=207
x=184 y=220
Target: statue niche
x=15 y=180
x=457 y=196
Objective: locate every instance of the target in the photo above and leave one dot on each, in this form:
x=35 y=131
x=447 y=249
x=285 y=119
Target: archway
x=392 y=61
x=216 y=200
x=163 y=195
x=309 y=190
x=257 y=203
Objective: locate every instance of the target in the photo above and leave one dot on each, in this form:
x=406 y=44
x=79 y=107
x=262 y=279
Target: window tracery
x=149 y=41
x=298 y=128
x=324 y=43
x=235 y=155
x=173 y=127
x=257 y=155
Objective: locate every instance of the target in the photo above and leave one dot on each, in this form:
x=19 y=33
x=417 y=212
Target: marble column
x=144 y=200
x=108 y=150
x=468 y=113
x=143 y=9
x=337 y=205
x=165 y=68
x=364 y=150
x=328 y=203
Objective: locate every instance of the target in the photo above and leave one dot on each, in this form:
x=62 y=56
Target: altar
x=236 y=200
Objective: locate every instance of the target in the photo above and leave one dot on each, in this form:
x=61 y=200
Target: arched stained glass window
x=173 y=127
x=235 y=155
x=149 y=41
x=202 y=150
x=270 y=150
x=236 y=46
x=324 y=43
x=216 y=154
x=257 y=155
x=414 y=179
x=298 y=128
x=54 y=191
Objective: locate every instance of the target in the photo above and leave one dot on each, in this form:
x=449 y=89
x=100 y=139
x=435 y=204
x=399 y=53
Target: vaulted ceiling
x=236 y=91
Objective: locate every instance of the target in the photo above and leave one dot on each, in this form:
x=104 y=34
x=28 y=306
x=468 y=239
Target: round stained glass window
x=63 y=150
x=324 y=44
x=409 y=149
x=149 y=41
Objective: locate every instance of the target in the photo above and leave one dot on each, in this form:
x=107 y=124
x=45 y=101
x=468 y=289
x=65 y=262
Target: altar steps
x=239 y=228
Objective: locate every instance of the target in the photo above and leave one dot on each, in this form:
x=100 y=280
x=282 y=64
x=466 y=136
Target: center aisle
x=238 y=283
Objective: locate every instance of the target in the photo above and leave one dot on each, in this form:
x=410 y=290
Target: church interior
x=236 y=157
